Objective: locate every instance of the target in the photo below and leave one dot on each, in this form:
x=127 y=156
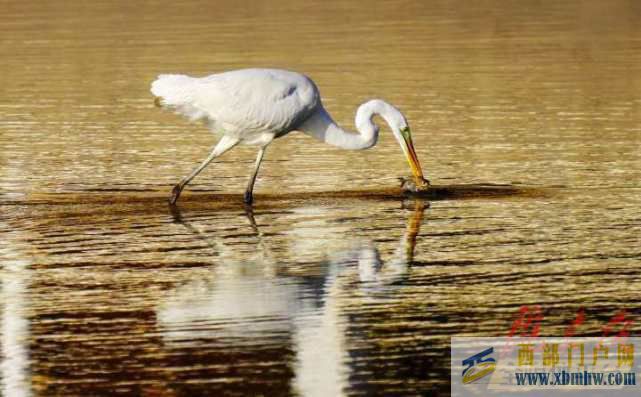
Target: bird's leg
x=250 y=186
x=221 y=147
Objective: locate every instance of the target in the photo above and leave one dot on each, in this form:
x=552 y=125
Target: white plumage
x=235 y=103
x=255 y=106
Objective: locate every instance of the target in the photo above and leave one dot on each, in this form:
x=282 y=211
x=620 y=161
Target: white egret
x=256 y=106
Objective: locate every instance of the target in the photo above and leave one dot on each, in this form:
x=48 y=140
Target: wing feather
x=255 y=100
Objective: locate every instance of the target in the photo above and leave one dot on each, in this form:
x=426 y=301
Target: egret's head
x=402 y=133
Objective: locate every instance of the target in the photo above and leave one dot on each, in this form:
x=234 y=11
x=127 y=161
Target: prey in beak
x=420 y=183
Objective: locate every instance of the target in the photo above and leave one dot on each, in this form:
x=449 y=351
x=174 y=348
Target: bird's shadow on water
x=434 y=193
x=152 y=198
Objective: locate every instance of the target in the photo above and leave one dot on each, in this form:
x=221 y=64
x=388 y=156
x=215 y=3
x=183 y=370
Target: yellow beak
x=412 y=159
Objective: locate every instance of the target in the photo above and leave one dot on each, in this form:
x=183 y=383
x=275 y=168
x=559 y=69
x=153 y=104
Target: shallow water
x=526 y=119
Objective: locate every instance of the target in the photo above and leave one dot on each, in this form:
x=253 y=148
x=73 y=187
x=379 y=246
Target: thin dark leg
x=250 y=186
x=221 y=147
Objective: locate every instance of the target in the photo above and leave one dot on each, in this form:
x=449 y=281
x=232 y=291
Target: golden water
x=526 y=116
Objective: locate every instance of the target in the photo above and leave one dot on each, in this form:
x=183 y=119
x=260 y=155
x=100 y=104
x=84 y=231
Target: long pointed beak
x=412 y=159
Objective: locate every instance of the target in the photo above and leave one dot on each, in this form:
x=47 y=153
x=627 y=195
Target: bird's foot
x=248 y=198
x=175 y=193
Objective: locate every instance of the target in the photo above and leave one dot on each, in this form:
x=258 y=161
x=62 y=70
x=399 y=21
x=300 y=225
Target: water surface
x=526 y=117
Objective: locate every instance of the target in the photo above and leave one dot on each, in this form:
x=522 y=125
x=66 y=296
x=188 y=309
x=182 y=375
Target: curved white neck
x=321 y=126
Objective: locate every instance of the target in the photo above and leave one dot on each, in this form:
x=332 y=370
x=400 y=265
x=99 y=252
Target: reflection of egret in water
x=370 y=266
x=250 y=301
x=15 y=325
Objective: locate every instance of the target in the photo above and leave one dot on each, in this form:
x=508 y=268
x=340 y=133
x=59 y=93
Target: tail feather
x=177 y=91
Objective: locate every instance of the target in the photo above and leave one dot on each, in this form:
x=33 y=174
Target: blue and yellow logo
x=478 y=366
